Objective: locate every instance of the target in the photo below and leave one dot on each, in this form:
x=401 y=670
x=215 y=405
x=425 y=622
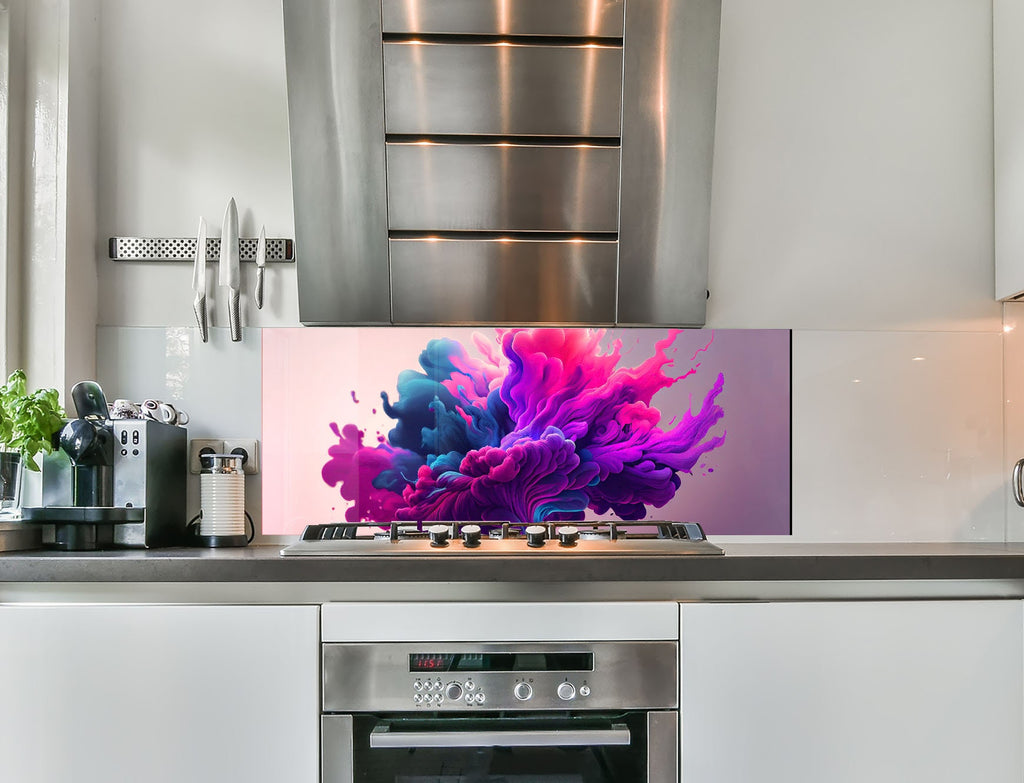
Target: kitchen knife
x=199 y=281
x=229 y=275
x=261 y=261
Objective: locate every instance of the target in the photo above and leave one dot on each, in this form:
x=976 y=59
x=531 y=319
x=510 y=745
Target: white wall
x=852 y=203
x=193 y=112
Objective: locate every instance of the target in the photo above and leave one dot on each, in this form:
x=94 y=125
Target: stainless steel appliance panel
x=670 y=67
x=502 y=89
x=336 y=124
x=616 y=734
x=150 y=472
x=596 y=18
x=662 y=746
x=376 y=677
x=502 y=187
x=511 y=281
x=336 y=742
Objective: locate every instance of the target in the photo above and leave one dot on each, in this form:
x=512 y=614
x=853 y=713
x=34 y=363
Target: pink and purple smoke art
x=542 y=428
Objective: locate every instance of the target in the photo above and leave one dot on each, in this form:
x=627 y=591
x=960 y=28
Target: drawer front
x=597 y=18
x=502 y=89
x=510 y=281
x=497 y=187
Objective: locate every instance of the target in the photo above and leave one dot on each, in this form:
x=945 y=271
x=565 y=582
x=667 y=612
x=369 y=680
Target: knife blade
x=229 y=274
x=199 y=281
x=261 y=261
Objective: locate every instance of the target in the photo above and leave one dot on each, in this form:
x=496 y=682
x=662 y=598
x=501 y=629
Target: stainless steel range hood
x=502 y=161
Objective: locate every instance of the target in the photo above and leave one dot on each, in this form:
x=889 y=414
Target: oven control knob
x=566 y=691
x=470 y=535
x=535 y=535
x=453 y=691
x=568 y=535
x=522 y=691
x=584 y=690
x=438 y=535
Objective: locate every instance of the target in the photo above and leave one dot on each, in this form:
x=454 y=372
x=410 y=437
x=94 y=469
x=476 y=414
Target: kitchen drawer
x=501 y=17
x=502 y=187
x=510 y=281
x=502 y=89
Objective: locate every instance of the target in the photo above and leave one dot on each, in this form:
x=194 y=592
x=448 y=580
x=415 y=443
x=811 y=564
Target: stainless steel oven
x=516 y=712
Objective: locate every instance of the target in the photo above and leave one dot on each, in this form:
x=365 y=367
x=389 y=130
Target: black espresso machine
x=112 y=482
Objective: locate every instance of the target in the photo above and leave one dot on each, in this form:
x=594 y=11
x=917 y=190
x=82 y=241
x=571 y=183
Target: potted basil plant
x=28 y=423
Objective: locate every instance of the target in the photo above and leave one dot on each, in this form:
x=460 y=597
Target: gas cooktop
x=459 y=539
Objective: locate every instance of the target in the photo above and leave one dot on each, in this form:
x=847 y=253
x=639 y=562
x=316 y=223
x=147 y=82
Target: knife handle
x=199 y=306
x=234 y=318
x=258 y=294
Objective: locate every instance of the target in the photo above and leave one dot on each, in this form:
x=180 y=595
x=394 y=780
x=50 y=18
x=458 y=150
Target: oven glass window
x=482 y=759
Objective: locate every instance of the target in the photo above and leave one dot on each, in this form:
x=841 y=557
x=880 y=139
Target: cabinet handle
x=1018 y=488
x=382 y=737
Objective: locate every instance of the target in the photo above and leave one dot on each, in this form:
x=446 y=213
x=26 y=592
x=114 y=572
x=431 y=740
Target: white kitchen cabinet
x=160 y=694
x=849 y=692
x=1008 y=150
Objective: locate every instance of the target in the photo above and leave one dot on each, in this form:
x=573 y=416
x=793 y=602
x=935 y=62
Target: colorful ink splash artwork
x=526 y=425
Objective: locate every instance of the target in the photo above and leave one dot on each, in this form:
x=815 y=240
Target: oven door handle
x=383 y=737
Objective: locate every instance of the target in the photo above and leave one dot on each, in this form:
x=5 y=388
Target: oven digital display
x=502 y=662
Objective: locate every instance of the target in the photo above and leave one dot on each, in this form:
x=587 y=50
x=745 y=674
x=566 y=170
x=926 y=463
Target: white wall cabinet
x=162 y=694
x=848 y=692
x=1008 y=151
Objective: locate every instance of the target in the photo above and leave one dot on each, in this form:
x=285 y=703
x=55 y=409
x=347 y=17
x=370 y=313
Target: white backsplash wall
x=193 y=112
x=218 y=384
x=897 y=436
x=1013 y=406
x=852 y=202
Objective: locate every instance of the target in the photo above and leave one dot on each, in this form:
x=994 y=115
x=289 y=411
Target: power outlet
x=249 y=449
x=199 y=446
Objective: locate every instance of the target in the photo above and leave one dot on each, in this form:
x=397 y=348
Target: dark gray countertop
x=741 y=563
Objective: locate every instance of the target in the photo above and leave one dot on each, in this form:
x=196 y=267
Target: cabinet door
x=103 y=694
x=852 y=692
x=1008 y=149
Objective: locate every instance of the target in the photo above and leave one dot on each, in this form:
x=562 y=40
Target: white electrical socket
x=251 y=449
x=196 y=446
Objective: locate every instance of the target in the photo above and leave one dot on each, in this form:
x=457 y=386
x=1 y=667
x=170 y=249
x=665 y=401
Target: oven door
x=630 y=747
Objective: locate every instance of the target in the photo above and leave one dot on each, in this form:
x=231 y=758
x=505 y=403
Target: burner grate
x=333 y=531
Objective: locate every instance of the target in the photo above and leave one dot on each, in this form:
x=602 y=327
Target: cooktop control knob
x=438 y=535
x=453 y=691
x=568 y=535
x=522 y=691
x=470 y=535
x=566 y=691
x=535 y=535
